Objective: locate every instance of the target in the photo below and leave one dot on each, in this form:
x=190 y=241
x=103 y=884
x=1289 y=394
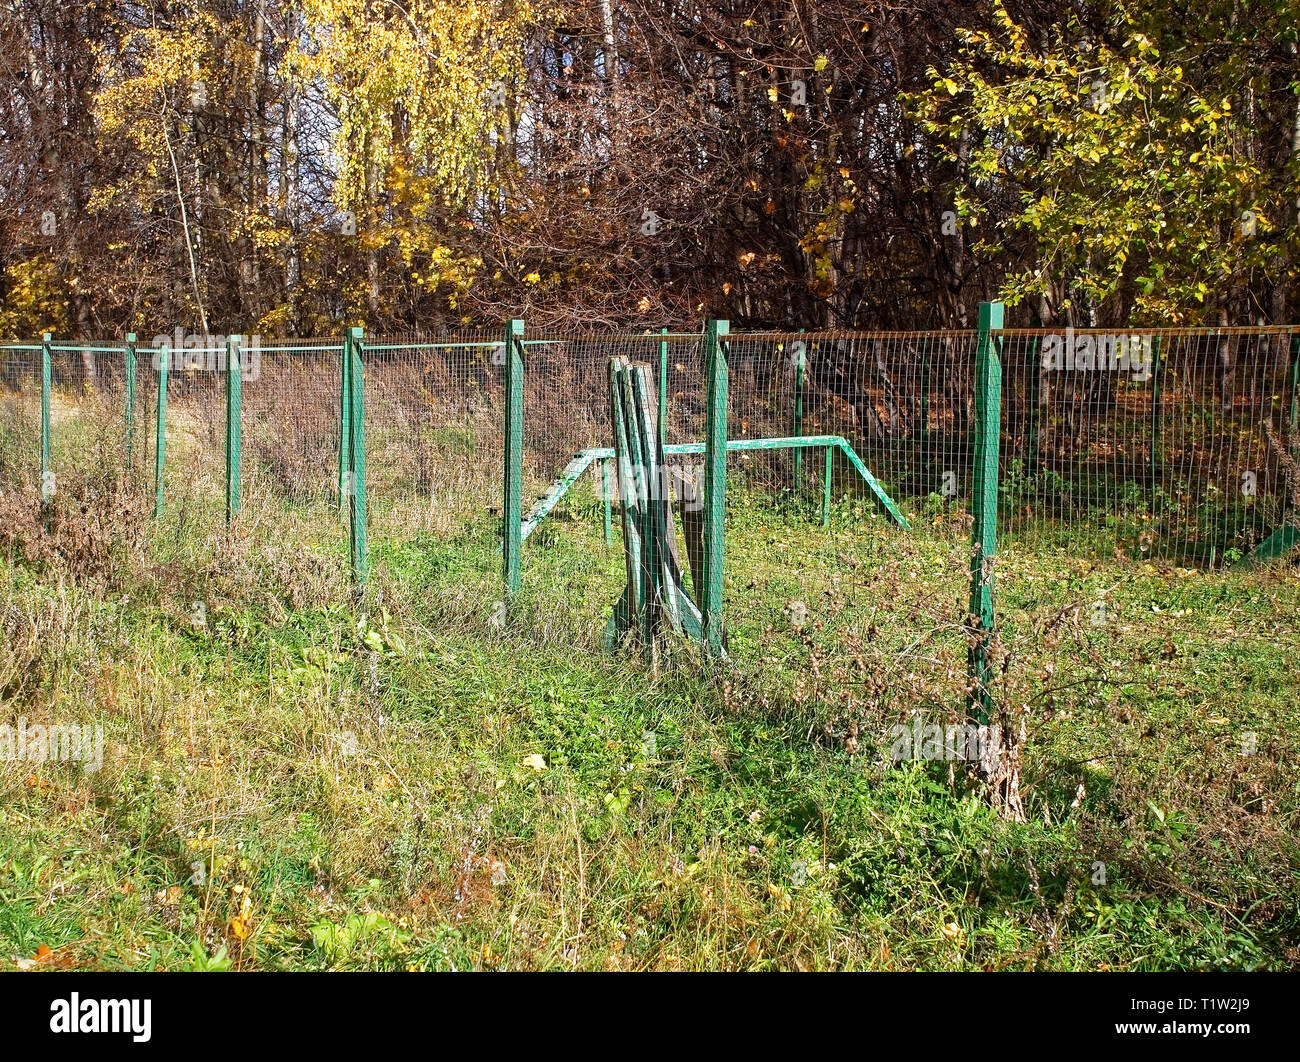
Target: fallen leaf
x=242 y=923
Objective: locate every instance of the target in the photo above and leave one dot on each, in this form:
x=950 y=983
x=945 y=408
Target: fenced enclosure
x=1172 y=446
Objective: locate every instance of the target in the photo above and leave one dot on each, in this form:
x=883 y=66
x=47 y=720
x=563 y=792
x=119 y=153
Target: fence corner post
x=988 y=421
x=715 y=486
x=512 y=501
x=234 y=404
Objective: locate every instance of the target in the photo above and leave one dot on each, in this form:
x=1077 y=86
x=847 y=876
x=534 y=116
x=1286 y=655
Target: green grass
x=303 y=781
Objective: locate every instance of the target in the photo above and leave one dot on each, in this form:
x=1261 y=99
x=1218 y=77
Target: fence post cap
x=356 y=331
x=130 y=337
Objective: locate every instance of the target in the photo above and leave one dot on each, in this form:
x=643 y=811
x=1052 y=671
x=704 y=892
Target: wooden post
x=988 y=418
x=234 y=403
x=715 y=486
x=357 y=457
x=512 y=502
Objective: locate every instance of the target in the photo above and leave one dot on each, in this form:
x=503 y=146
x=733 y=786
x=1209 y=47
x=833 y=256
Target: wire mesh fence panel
x=87 y=417
x=762 y=382
x=434 y=429
x=1176 y=446
x=566 y=397
x=289 y=406
x=1165 y=444
x=144 y=419
x=20 y=416
x=194 y=473
x=902 y=400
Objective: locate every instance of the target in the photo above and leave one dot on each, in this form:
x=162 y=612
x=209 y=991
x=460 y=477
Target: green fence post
x=512 y=503
x=604 y=490
x=234 y=402
x=160 y=443
x=715 y=486
x=357 y=457
x=1155 y=418
x=663 y=388
x=345 y=418
x=47 y=473
x=988 y=419
x=800 y=364
x=129 y=367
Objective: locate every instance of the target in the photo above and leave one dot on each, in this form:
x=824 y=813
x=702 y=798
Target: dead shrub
x=91 y=532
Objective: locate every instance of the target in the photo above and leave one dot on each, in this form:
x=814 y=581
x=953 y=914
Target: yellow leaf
x=242 y=923
x=534 y=762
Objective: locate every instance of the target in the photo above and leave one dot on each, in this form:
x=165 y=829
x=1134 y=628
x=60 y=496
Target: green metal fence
x=1165 y=445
